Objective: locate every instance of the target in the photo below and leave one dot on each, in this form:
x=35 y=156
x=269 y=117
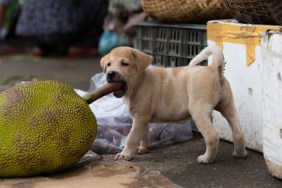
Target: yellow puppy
x=155 y=94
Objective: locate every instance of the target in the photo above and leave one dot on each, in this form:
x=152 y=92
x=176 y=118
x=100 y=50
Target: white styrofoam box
x=241 y=44
x=272 y=101
x=246 y=86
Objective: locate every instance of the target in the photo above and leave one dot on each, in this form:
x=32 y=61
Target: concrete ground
x=176 y=162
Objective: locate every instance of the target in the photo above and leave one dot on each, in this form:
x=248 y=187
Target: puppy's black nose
x=111 y=74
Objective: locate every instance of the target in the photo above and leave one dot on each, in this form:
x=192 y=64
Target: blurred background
x=62 y=40
x=73 y=28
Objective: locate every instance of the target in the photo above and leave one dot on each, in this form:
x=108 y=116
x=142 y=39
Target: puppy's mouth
x=121 y=92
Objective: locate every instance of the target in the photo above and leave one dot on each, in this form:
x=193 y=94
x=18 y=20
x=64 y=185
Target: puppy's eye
x=123 y=63
x=108 y=64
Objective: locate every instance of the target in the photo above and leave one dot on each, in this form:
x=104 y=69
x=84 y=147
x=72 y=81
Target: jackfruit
x=45 y=127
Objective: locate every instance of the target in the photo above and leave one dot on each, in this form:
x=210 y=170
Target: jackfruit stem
x=102 y=91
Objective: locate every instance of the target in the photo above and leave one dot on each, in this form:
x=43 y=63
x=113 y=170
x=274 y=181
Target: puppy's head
x=125 y=64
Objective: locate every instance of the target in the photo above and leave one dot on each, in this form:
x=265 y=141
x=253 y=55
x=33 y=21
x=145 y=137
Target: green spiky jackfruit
x=44 y=127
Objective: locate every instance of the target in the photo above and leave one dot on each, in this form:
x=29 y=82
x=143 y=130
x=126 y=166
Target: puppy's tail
x=215 y=51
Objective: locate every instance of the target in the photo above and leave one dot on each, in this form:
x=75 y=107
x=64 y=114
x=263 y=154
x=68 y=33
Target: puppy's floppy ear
x=103 y=62
x=142 y=60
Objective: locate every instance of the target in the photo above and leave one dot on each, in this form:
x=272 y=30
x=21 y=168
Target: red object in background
x=75 y=52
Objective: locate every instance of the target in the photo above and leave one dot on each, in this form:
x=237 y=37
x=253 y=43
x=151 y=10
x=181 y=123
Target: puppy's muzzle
x=113 y=76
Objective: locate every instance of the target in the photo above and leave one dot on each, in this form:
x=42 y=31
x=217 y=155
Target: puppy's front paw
x=122 y=155
x=204 y=159
x=142 y=150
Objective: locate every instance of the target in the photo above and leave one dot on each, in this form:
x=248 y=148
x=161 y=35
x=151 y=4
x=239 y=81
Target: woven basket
x=189 y=11
x=256 y=11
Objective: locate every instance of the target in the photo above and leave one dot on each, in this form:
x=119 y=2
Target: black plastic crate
x=171 y=45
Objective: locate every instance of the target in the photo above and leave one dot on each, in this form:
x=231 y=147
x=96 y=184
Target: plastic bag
x=114 y=124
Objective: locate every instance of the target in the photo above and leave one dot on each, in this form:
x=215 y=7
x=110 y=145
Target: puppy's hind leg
x=231 y=115
x=202 y=117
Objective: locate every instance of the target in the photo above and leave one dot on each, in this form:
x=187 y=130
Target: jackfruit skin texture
x=45 y=127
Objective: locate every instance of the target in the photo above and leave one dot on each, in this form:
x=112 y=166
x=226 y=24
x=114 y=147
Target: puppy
x=156 y=94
